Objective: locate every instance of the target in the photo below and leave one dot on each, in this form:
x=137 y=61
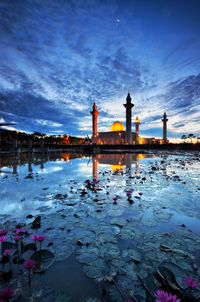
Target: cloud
x=59 y=57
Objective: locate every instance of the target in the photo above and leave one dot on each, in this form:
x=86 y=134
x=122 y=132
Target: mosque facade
x=119 y=135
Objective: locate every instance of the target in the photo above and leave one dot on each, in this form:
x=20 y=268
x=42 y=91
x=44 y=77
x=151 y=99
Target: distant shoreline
x=92 y=149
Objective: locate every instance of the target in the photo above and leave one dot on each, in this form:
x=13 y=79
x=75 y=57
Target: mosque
x=119 y=135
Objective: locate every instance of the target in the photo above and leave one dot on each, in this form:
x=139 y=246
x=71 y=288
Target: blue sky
x=58 y=57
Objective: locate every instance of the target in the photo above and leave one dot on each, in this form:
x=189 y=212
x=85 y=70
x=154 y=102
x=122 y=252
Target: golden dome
x=117 y=126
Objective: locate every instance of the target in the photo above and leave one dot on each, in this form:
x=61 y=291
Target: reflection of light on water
x=11 y=207
x=83 y=168
x=50 y=170
x=117 y=167
x=141 y=156
x=65 y=157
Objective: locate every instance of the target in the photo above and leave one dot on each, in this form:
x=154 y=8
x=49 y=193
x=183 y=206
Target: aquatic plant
x=38 y=238
x=19 y=231
x=29 y=264
x=163 y=296
x=190 y=282
x=6 y=294
x=17 y=238
x=3 y=238
x=3 y=232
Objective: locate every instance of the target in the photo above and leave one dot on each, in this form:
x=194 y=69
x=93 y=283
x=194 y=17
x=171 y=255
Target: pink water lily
x=6 y=294
x=29 y=264
x=163 y=296
x=3 y=232
x=6 y=252
x=19 y=231
x=3 y=238
x=17 y=238
x=39 y=238
x=190 y=282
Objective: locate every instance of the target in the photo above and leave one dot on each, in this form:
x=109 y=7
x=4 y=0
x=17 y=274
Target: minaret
x=94 y=113
x=128 y=107
x=137 y=130
x=164 y=120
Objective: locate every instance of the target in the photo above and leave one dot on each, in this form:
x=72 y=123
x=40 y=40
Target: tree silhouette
x=184 y=137
x=191 y=136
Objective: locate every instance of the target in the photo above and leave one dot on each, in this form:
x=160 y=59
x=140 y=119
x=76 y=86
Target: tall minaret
x=137 y=131
x=94 y=113
x=164 y=120
x=128 y=107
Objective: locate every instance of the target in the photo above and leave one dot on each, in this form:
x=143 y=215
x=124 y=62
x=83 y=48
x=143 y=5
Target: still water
x=112 y=229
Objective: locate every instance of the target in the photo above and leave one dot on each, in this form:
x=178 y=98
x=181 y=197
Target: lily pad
x=96 y=270
x=44 y=259
x=132 y=254
x=8 y=245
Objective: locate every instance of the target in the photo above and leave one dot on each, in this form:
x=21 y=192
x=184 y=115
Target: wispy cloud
x=59 y=57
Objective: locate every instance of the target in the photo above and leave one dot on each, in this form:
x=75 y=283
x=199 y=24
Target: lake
x=110 y=221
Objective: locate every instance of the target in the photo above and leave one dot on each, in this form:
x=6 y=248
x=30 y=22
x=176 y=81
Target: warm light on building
x=141 y=141
x=137 y=120
x=117 y=126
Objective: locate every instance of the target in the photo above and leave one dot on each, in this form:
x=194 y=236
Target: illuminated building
x=119 y=135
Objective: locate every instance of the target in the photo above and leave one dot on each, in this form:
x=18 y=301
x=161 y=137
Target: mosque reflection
x=119 y=162
x=10 y=164
x=116 y=162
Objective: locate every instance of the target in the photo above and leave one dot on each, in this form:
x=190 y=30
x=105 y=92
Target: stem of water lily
x=29 y=278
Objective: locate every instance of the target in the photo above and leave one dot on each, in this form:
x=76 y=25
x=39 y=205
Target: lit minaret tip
x=165 y=120
x=137 y=124
x=128 y=107
x=94 y=113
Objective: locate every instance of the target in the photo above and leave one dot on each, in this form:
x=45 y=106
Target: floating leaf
x=36 y=224
x=7 y=245
x=86 y=258
x=132 y=254
x=96 y=270
x=167 y=277
x=29 y=247
x=44 y=259
x=151 y=284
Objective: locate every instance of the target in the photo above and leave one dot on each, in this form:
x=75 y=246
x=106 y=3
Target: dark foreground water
x=107 y=237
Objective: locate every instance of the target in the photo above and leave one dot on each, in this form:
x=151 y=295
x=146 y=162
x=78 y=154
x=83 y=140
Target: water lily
x=6 y=252
x=163 y=296
x=29 y=264
x=6 y=294
x=39 y=238
x=190 y=282
x=3 y=232
x=17 y=238
x=19 y=231
x=3 y=238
